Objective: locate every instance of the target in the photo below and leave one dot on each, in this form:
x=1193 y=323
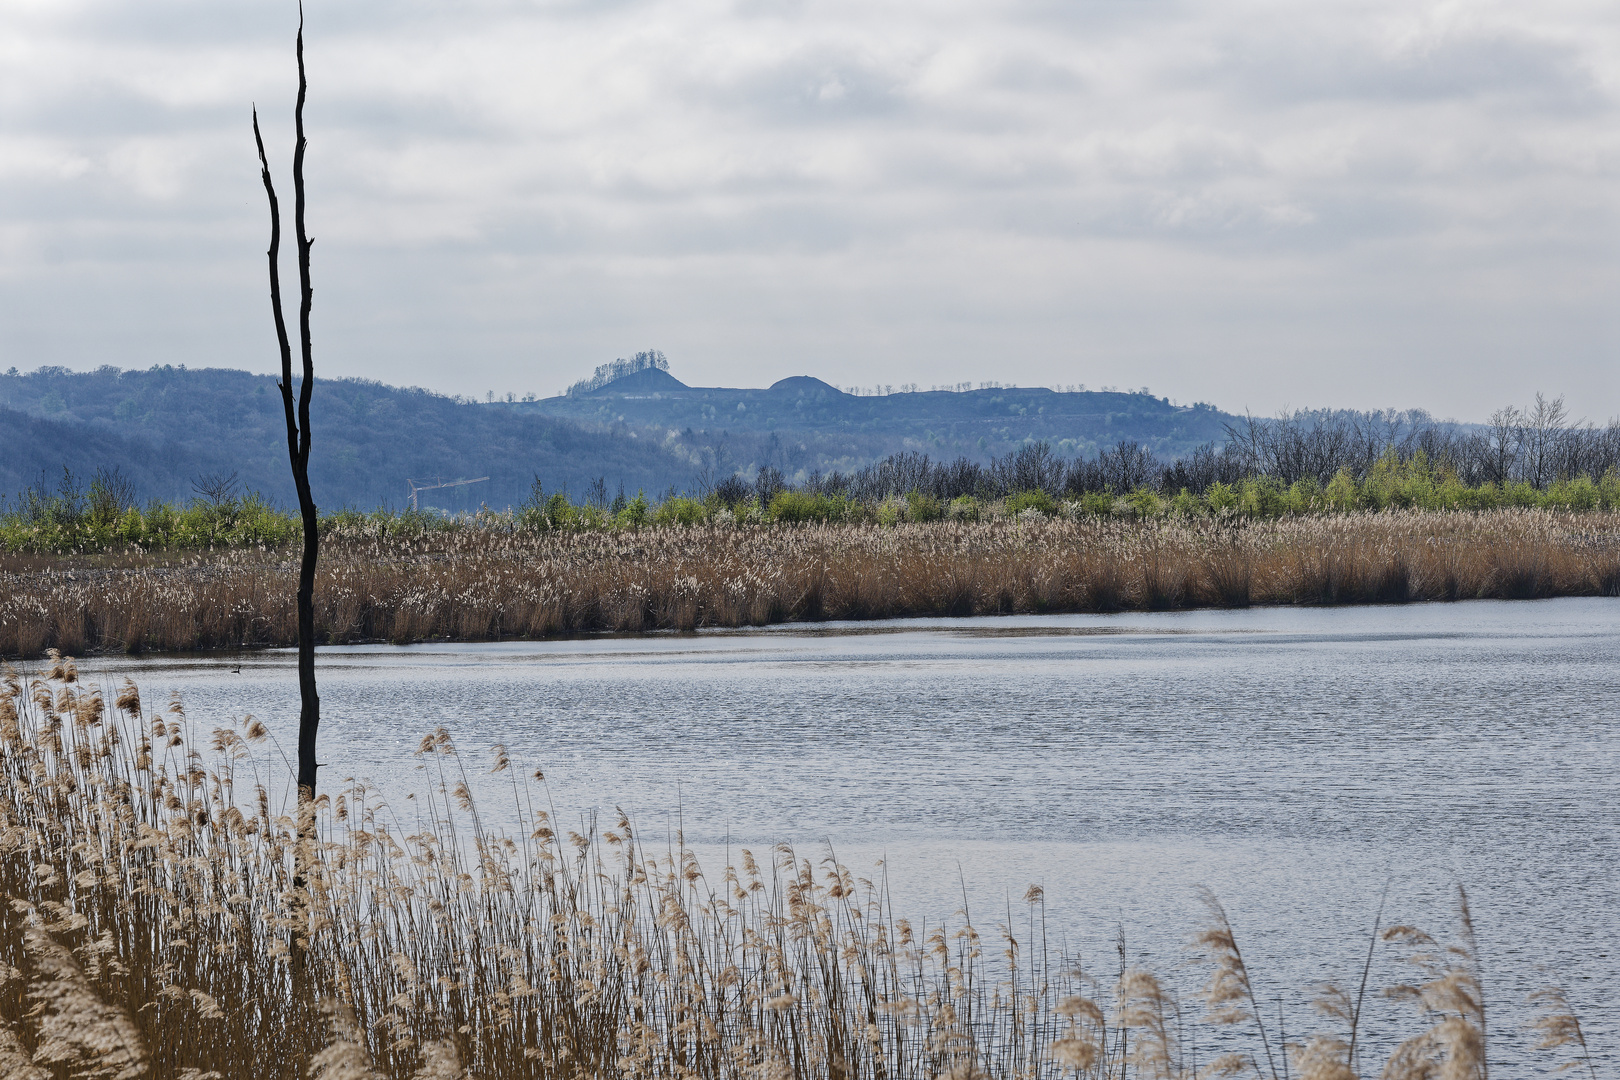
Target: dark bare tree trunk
x=309 y=716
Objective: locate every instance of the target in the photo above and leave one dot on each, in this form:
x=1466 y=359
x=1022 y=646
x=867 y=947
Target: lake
x=1298 y=761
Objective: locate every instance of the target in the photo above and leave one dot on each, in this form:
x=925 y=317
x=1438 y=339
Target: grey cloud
x=1103 y=16
x=1196 y=194
x=181 y=24
x=818 y=85
x=167 y=23
x=770 y=9
x=1519 y=68
x=399 y=120
x=107 y=110
x=1033 y=73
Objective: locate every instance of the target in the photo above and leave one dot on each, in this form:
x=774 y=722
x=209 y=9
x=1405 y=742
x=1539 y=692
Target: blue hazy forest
x=165 y=427
x=170 y=434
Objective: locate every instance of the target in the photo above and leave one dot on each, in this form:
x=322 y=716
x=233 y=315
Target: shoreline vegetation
x=82 y=568
x=165 y=920
x=103 y=517
x=496 y=577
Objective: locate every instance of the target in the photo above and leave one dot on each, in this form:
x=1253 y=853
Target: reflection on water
x=1295 y=760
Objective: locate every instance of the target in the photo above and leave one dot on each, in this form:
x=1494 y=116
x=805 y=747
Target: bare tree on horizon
x=309 y=715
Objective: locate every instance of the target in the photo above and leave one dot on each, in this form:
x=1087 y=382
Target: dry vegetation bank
x=490 y=583
x=163 y=919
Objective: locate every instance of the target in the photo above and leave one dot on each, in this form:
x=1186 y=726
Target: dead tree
x=309 y=715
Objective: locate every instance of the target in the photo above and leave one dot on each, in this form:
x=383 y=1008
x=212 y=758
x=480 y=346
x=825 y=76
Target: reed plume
x=440 y=1062
x=15 y=1061
x=1145 y=1008
x=1323 y=1057
x=1560 y=1027
x=1328 y=1057
x=77 y=1027
x=489 y=580
x=1453 y=1048
x=167 y=921
x=1229 y=992
x=345 y=1056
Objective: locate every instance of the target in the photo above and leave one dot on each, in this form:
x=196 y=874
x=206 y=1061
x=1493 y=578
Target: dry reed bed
x=490 y=583
x=163 y=920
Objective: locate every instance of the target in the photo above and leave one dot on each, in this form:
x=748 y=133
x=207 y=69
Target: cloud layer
x=1252 y=202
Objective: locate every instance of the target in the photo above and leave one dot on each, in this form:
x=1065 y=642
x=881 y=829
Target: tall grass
x=163 y=919
x=498 y=581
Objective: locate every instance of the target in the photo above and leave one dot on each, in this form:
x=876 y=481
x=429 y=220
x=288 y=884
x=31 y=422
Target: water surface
x=1297 y=761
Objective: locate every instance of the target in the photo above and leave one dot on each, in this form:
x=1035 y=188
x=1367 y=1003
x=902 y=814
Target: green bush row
x=250 y=521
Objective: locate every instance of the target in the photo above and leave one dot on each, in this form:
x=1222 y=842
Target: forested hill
x=978 y=424
x=165 y=427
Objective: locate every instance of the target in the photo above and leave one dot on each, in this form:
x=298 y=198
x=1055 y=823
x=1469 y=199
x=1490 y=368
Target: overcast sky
x=1258 y=203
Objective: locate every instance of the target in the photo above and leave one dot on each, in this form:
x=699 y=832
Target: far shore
x=501 y=584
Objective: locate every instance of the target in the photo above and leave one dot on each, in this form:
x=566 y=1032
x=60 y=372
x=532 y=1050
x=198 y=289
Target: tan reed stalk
x=1229 y=992
x=493 y=580
x=156 y=909
x=345 y=1056
x=1081 y=1046
x=1453 y=1047
x=440 y=1062
x=15 y=1061
x=1147 y=1009
x=1328 y=1057
x=76 y=1026
x=1559 y=1027
x=1323 y=1057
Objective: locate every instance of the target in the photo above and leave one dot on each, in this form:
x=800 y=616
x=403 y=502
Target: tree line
x=1536 y=446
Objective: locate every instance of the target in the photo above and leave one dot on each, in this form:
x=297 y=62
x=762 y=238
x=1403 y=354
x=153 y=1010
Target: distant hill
x=837 y=428
x=165 y=427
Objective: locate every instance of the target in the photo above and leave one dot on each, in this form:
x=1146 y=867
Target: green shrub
x=1577 y=494
x=920 y=507
x=1452 y=494
x=634 y=513
x=1303 y=496
x=1222 y=498
x=129 y=527
x=1145 y=503
x=1520 y=493
x=1030 y=500
x=1097 y=503
x=1262 y=497
x=1485 y=497
x=347 y=518
x=795 y=507
x=680 y=511
x=560 y=513
x=1414 y=489
x=70 y=521
x=1342 y=494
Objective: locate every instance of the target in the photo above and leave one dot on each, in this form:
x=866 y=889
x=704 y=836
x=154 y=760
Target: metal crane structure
x=423 y=485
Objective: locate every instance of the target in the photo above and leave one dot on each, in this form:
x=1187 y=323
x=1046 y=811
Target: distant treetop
x=618 y=369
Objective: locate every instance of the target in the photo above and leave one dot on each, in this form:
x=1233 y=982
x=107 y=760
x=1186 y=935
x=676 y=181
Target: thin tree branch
x=307 y=294
x=285 y=385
